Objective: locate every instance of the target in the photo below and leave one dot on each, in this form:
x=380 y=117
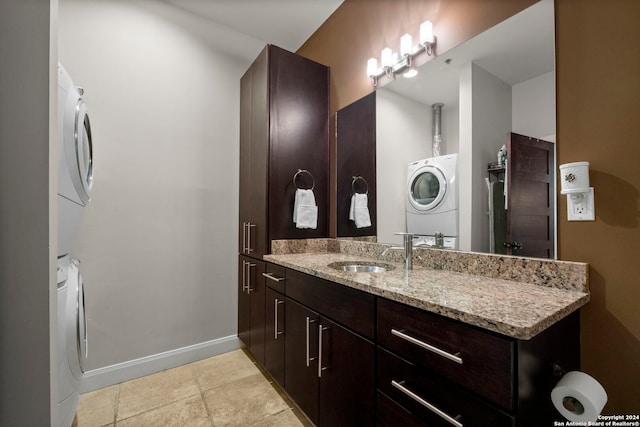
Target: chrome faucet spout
x=407 y=248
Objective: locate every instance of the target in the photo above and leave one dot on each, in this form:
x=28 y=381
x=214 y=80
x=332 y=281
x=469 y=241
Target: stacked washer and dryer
x=432 y=194
x=74 y=192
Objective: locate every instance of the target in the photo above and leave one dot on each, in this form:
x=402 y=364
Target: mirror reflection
x=437 y=133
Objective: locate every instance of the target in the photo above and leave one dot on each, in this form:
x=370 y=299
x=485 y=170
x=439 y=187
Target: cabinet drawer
x=477 y=360
x=275 y=277
x=391 y=414
x=350 y=307
x=432 y=399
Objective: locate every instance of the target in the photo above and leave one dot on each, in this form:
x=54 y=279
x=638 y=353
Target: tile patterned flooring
x=225 y=390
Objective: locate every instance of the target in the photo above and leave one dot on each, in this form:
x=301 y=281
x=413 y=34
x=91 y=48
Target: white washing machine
x=432 y=199
x=75 y=160
x=72 y=338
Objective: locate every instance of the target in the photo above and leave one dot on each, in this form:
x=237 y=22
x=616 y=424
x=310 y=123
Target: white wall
x=158 y=243
x=404 y=135
x=485 y=120
x=534 y=107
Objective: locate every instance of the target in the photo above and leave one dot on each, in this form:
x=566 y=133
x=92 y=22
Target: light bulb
x=372 y=67
x=426 y=33
x=406 y=46
x=386 y=57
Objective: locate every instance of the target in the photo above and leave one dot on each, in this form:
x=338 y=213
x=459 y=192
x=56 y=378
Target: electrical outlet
x=583 y=208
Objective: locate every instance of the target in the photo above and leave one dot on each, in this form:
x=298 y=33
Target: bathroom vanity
x=462 y=339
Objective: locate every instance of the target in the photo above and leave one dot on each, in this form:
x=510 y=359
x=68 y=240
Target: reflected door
x=530 y=197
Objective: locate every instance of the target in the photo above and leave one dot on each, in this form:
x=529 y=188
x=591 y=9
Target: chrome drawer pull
x=400 y=386
x=249 y=267
x=455 y=357
x=320 y=367
x=276 y=302
x=249 y=248
x=274 y=278
x=309 y=359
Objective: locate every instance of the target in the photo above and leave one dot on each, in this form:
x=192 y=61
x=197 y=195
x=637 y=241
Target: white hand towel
x=359 y=210
x=305 y=211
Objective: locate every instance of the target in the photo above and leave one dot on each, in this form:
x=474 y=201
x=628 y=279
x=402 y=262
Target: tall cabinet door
x=347 y=380
x=301 y=357
x=254 y=148
x=299 y=139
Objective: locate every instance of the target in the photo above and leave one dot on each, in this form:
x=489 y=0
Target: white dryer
x=432 y=198
x=72 y=339
x=75 y=160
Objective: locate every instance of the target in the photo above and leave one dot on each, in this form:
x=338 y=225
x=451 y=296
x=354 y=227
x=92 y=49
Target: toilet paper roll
x=579 y=397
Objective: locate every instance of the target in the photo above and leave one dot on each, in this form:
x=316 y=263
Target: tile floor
x=225 y=390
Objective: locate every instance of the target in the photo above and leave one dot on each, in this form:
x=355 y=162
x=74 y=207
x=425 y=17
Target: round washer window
x=427 y=188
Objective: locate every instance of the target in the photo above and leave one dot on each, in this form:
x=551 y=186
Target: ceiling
x=516 y=50
x=250 y=24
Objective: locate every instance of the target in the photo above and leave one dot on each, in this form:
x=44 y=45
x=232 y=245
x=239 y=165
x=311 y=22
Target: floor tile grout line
x=117 y=404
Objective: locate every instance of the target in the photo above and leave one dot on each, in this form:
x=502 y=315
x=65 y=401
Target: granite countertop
x=514 y=308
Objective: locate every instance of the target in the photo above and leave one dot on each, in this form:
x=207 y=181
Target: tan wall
x=598 y=104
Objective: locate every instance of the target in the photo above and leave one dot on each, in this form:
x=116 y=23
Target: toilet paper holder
x=570 y=406
x=570 y=403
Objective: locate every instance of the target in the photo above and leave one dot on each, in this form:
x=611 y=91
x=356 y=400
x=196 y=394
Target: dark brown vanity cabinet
x=284 y=114
x=436 y=371
x=251 y=305
x=319 y=346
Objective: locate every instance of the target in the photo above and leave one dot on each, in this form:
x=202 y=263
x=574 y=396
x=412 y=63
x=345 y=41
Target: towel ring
x=300 y=172
x=353 y=184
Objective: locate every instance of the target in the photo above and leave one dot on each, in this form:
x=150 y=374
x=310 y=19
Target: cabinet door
x=256 y=291
x=254 y=146
x=275 y=335
x=300 y=357
x=244 y=305
x=346 y=367
x=299 y=139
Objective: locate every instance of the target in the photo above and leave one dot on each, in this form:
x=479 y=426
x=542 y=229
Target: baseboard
x=115 y=374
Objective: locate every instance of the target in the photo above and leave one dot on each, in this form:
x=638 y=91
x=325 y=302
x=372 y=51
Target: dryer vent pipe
x=437 y=129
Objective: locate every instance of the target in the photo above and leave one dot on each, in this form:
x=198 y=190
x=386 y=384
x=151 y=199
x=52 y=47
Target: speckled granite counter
x=517 y=297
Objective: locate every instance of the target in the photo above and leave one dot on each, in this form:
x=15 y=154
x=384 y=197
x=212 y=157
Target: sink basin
x=362 y=266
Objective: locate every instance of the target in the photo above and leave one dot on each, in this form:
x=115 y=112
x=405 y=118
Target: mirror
x=501 y=81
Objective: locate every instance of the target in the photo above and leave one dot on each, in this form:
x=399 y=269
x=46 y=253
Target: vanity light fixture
x=402 y=63
x=574 y=182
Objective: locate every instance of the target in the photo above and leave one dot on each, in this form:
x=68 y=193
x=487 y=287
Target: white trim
x=125 y=371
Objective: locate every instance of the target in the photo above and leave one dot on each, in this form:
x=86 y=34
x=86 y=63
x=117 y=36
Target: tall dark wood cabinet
x=284 y=117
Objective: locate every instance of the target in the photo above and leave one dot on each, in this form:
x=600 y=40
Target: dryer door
x=427 y=188
x=79 y=153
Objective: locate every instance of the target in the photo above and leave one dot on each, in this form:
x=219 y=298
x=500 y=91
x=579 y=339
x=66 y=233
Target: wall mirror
x=501 y=81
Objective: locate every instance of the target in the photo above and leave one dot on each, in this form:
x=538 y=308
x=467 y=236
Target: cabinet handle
x=275 y=325
x=452 y=420
x=455 y=357
x=309 y=359
x=270 y=276
x=244 y=237
x=249 y=267
x=249 y=248
x=244 y=275
x=320 y=367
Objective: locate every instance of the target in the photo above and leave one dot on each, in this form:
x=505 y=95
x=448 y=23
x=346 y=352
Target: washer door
x=427 y=188
x=79 y=153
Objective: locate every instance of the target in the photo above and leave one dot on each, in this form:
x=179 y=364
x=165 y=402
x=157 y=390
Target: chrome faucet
x=407 y=247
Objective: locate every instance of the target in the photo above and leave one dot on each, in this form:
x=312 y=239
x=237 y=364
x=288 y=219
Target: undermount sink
x=362 y=266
